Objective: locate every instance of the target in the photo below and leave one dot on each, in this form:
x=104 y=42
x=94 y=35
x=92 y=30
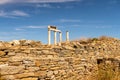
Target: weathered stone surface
x=2 y=53
x=11 y=53
x=5 y=70
x=49 y=73
x=15 y=63
x=24 y=75
x=33 y=69
x=75 y=60
x=8 y=77
x=39 y=63
x=29 y=79
x=4 y=59
x=40 y=73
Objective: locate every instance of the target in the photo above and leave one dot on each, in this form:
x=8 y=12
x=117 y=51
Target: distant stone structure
x=54 y=28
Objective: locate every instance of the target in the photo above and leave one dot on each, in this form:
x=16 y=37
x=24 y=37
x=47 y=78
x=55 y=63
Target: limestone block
x=2 y=53
x=11 y=53
x=24 y=75
x=4 y=59
x=15 y=59
x=3 y=65
x=32 y=69
x=40 y=73
x=44 y=68
x=8 y=70
x=54 y=68
x=49 y=73
x=8 y=77
x=15 y=63
x=62 y=72
x=55 y=72
x=29 y=79
x=49 y=56
x=38 y=63
x=46 y=51
x=26 y=51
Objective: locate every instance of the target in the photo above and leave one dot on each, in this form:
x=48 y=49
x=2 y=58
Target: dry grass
x=107 y=72
x=95 y=39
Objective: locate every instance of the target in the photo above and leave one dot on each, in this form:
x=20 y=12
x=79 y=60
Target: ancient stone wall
x=76 y=60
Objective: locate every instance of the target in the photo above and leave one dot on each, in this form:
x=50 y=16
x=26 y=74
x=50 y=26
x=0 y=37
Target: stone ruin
x=55 y=30
x=76 y=60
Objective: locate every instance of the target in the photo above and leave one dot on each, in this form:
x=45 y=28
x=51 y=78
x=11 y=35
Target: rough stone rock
x=33 y=69
x=9 y=70
x=11 y=53
x=15 y=42
x=4 y=59
x=40 y=73
x=75 y=60
x=39 y=63
x=2 y=53
x=24 y=75
x=29 y=79
x=8 y=77
x=49 y=73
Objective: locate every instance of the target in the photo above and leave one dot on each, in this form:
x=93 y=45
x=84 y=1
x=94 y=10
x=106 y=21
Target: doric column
x=55 y=38
x=67 y=36
x=49 y=36
x=60 y=38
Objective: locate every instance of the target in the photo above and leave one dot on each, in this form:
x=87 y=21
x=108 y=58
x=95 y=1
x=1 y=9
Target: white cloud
x=13 y=14
x=2 y=13
x=103 y=27
x=30 y=27
x=5 y=1
x=19 y=29
x=19 y=13
x=69 y=20
x=44 y=5
x=35 y=1
x=36 y=27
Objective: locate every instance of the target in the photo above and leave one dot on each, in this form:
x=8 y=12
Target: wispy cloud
x=103 y=27
x=44 y=5
x=36 y=27
x=13 y=14
x=69 y=20
x=19 y=13
x=30 y=27
x=19 y=29
x=35 y=1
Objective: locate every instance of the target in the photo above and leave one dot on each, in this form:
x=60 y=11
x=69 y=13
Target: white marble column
x=49 y=36
x=55 y=37
x=67 y=36
x=60 y=38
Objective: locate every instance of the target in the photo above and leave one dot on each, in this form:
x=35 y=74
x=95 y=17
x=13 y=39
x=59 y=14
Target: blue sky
x=28 y=19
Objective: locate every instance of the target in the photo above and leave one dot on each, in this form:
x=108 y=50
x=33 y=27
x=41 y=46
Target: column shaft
x=60 y=37
x=55 y=38
x=49 y=37
x=67 y=36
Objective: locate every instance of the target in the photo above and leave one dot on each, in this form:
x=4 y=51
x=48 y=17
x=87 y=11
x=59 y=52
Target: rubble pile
x=74 y=60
